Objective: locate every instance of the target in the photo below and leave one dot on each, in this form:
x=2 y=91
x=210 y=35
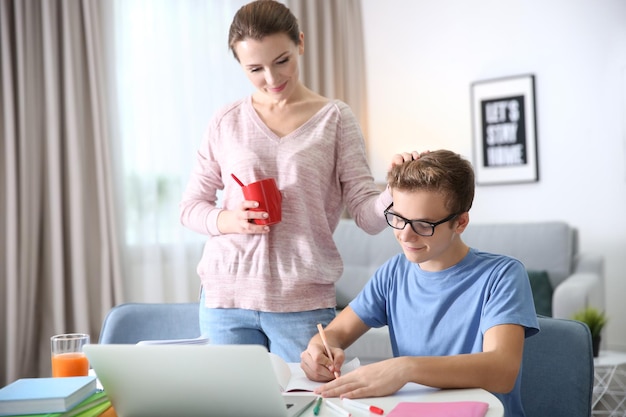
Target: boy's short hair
x=440 y=171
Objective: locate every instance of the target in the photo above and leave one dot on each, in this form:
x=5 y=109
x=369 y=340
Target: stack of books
x=53 y=397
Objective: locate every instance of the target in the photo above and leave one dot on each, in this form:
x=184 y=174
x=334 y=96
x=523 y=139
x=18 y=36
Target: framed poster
x=505 y=130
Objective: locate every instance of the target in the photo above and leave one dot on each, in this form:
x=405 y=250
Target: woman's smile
x=278 y=89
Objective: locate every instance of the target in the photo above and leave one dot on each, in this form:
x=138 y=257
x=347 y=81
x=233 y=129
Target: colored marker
x=356 y=404
x=323 y=336
x=318 y=404
x=337 y=409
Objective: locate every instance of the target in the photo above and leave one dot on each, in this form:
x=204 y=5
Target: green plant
x=593 y=318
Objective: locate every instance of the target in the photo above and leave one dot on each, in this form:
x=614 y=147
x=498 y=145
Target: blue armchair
x=134 y=322
x=557 y=370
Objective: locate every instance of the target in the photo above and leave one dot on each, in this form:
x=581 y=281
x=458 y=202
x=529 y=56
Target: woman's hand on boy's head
x=403 y=157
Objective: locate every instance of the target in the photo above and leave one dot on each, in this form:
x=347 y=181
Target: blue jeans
x=285 y=334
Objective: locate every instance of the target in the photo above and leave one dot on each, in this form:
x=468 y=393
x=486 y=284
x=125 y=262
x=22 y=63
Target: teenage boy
x=457 y=316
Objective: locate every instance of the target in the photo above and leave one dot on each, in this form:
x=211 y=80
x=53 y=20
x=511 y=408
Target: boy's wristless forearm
x=407 y=368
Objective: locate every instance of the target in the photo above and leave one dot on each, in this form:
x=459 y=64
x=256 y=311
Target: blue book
x=45 y=395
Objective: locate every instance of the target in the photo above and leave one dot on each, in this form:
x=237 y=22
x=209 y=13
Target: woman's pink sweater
x=320 y=168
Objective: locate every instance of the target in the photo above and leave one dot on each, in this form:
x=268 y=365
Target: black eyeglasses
x=421 y=227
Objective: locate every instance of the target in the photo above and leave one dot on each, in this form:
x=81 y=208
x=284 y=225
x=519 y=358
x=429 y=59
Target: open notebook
x=291 y=377
x=192 y=380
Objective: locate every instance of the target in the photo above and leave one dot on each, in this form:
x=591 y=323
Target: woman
x=262 y=284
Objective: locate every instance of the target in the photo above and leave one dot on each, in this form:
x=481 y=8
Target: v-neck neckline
x=272 y=135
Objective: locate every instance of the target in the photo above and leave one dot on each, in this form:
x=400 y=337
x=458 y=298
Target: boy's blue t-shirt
x=447 y=312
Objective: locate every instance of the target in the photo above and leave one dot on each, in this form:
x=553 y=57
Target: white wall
x=422 y=56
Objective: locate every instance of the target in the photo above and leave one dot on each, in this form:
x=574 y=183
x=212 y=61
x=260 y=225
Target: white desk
x=410 y=392
x=414 y=392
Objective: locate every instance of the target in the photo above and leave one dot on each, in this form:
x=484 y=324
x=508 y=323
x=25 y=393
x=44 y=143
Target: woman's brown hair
x=259 y=19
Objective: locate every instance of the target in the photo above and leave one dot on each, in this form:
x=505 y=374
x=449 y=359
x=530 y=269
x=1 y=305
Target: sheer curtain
x=334 y=63
x=59 y=257
x=174 y=70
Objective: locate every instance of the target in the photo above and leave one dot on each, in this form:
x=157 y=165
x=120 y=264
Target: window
x=173 y=70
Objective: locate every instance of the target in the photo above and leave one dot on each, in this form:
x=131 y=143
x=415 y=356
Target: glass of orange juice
x=68 y=358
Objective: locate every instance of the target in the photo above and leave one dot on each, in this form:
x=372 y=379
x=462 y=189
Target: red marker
x=356 y=404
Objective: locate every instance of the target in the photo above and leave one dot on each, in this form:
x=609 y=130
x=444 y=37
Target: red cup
x=268 y=195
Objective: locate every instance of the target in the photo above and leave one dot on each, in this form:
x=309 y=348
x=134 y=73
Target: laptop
x=192 y=380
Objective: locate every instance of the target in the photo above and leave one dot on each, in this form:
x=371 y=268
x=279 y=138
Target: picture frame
x=505 y=130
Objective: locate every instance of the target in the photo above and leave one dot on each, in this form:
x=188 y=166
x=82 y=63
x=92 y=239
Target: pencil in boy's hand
x=330 y=355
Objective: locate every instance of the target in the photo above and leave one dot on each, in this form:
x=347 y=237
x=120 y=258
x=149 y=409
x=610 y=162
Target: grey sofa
x=577 y=279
